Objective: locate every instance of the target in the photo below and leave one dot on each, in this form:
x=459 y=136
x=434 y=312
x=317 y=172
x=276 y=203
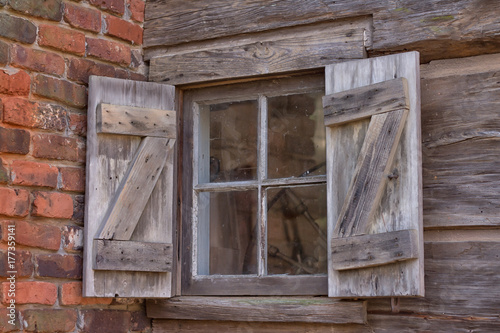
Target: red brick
x=66 y=40
x=31 y=292
x=4 y=172
x=23 y=266
x=60 y=90
x=71 y=294
x=15 y=141
x=22 y=112
x=50 y=320
x=122 y=74
x=14 y=83
x=34 y=174
x=140 y=321
x=53 y=204
x=14 y=202
x=57 y=147
x=109 y=321
x=80 y=69
x=6 y=315
x=72 y=238
x=59 y=266
x=37 y=235
x=114 y=6
x=109 y=51
x=137 y=10
x=73 y=179
x=36 y=60
x=82 y=17
x=122 y=29
x=78 y=124
x=49 y=9
x=138 y=77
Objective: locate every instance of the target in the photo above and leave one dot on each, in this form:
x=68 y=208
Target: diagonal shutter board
x=109 y=156
x=396 y=219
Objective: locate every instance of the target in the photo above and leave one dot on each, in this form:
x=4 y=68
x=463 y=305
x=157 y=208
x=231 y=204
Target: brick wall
x=48 y=49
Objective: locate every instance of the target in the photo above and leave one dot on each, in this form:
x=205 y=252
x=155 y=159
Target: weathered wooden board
x=108 y=159
x=461 y=142
x=401 y=205
x=129 y=120
x=374 y=250
x=118 y=255
x=263 y=309
x=270 y=52
x=366 y=101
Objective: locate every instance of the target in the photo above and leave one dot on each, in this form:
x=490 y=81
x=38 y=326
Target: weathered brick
x=6 y=315
x=110 y=321
x=136 y=8
x=82 y=17
x=31 y=292
x=66 y=40
x=37 y=235
x=15 y=141
x=14 y=202
x=56 y=147
x=78 y=124
x=33 y=174
x=114 y=6
x=72 y=238
x=14 y=83
x=109 y=51
x=80 y=69
x=36 y=60
x=78 y=208
x=122 y=74
x=60 y=90
x=71 y=294
x=73 y=179
x=138 y=77
x=59 y=266
x=50 y=320
x=22 y=112
x=49 y=9
x=17 y=29
x=4 y=53
x=140 y=321
x=122 y=29
x=23 y=266
x=52 y=204
x=4 y=172
x=137 y=59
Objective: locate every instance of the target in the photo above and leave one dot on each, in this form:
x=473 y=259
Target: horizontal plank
x=363 y=102
x=261 y=309
x=242 y=185
x=117 y=255
x=374 y=250
x=129 y=120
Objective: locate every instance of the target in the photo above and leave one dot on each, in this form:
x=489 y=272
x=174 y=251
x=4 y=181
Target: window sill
x=259 y=309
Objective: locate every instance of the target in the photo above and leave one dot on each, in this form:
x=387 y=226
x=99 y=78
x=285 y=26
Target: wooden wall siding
x=461 y=142
x=438 y=29
x=269 y=52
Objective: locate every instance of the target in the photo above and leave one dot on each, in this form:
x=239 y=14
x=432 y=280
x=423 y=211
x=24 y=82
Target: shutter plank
x=374 y=250
x=364 y=102
x=132 y=256
x=129 y=120
x=135 y=189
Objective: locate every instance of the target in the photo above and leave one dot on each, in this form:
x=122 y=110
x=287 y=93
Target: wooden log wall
x=459 y=42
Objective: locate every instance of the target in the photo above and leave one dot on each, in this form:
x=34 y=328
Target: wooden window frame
x=227 y=285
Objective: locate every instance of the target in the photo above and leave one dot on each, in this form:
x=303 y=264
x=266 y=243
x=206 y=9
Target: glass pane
x=296 y=136
x=232 y=233
x=296 y=230
x=233 y=141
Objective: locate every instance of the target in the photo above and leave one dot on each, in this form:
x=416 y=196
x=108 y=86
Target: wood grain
x=364 y=102
x=261 y=309
x=373 y=250
x=115 y=255
x=129 y=120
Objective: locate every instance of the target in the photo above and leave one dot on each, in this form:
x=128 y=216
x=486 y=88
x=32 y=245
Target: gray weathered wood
x=371 y=173
x=373 y=250
x=400 y=206
x=115 y=255
x=135 y=189
x=286 y=51
x=364 y=102
x=262 y=309
x=108 y=159
x=129 y=120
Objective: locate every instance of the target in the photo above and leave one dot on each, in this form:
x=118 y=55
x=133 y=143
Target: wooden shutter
x=372 y=114
x=130 y=189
